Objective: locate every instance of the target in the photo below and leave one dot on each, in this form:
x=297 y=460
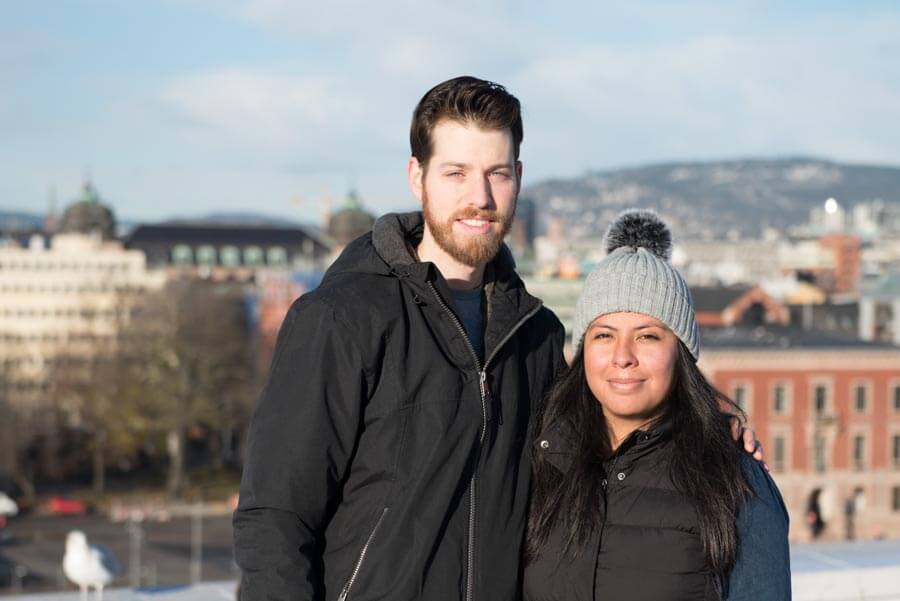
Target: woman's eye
x=648 y=337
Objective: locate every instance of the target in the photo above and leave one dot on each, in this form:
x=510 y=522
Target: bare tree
x=190 y=345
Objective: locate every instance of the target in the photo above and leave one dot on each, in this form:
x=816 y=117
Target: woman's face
x=629 y=362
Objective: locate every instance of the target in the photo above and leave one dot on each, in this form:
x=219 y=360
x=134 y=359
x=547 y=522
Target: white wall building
x=73 y=292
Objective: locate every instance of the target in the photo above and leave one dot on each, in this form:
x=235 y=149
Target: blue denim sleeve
x=762 y=569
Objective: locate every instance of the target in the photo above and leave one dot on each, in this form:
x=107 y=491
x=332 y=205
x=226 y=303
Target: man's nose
x=481 y=194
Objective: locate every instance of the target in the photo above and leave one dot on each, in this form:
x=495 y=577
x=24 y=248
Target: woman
x=639 y=491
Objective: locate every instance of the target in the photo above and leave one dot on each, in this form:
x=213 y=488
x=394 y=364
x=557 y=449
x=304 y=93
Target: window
x=819 y=450
x=780 y=398
x=182 y=254
x=230 y=256
x=206 y=255
x=859 y=452
x=860 y=398
x=778 y=454
x=820 y=398
x=741 y=396
x=896 y=396
x=896 y=450
x=253 y=255
x=895 y=498
x=277 y=255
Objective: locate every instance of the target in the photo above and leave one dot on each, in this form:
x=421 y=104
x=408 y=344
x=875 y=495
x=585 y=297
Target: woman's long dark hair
x=705 y=464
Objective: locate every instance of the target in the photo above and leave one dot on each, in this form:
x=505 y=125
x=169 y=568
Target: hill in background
x=711 y=199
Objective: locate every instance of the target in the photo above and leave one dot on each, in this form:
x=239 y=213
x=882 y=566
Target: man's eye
x=455 y=174
x=500 y=174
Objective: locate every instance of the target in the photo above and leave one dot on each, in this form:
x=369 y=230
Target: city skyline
x=185 y=107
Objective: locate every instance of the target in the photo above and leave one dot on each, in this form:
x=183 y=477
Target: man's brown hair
x=468 y=100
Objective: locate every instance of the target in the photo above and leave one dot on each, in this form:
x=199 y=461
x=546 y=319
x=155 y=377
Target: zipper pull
x=496 y=408
x=343 y=595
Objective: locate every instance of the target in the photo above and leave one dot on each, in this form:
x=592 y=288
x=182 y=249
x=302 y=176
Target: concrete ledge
x=207 y=591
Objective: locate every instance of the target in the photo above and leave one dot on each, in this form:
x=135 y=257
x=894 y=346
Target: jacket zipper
x=482 y=387
x=362 y=556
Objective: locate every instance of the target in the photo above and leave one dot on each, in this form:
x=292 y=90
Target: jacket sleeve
x=300 y=441
x=762 y=569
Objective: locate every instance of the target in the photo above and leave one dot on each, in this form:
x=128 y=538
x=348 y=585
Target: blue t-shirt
x=468 y=309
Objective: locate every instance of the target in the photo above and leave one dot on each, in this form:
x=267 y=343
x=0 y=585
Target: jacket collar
x=557 y=442
x=395 y=235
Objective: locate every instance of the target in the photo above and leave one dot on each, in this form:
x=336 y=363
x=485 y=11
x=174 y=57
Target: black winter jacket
x=647 y=546
x=384 y=461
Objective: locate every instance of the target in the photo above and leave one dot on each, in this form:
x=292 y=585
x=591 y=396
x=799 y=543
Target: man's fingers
x=750 y=442
x=758 y=451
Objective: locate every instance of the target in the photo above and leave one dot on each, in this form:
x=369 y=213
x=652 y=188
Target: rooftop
x=215 y=233
x=709 y=298
x=772 y=337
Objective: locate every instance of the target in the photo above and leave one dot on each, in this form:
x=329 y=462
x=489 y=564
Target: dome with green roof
x=87 y=215
x=351 y=222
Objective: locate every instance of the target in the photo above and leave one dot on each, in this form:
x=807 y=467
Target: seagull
x=8 y=507
x=88 y=565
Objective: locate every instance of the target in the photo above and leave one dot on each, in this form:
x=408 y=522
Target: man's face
x=468 y=190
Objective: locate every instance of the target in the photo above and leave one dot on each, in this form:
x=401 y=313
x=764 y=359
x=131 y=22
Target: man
x=386 y=457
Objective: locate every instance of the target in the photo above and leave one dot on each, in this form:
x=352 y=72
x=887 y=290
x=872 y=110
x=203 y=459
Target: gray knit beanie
x=636 y=276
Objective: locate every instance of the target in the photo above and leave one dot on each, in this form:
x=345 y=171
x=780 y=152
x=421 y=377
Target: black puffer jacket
x=647 y=547
x=384 y=461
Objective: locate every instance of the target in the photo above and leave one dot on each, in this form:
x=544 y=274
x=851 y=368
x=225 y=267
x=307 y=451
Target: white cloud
x=263 y=108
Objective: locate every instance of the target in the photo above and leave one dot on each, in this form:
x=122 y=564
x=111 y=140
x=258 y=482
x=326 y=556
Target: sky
x=189 y=107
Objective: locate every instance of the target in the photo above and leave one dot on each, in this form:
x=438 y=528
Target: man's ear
x=519 y=173
x=415 y=173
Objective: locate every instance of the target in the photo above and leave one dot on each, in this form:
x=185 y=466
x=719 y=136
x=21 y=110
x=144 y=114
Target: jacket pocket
x=345 y=591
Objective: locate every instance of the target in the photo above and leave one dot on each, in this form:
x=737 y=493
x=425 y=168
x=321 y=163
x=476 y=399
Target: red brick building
x=846 y=249
x=827 y=409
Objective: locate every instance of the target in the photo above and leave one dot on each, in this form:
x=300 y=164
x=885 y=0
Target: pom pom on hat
x=640 y=228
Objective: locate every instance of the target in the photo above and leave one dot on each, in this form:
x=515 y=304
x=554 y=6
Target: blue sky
x=185 y=107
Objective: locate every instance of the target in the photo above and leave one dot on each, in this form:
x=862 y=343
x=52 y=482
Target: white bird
x=88 y=565
x=8 y=507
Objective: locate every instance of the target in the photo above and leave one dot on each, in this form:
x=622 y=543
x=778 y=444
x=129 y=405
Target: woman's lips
x=625 y=384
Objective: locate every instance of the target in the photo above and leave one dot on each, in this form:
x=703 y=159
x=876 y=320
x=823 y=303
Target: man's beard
x=474 y=250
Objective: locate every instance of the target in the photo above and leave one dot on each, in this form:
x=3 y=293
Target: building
x=349 y=223
x=879 y=310
x=60 y=297
x=227 y=251
x=827 y=409
x=71 y=291
x=847 y=263
x=726 y=262
x=275 y=292
x=736 y=305
x=833 y=261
